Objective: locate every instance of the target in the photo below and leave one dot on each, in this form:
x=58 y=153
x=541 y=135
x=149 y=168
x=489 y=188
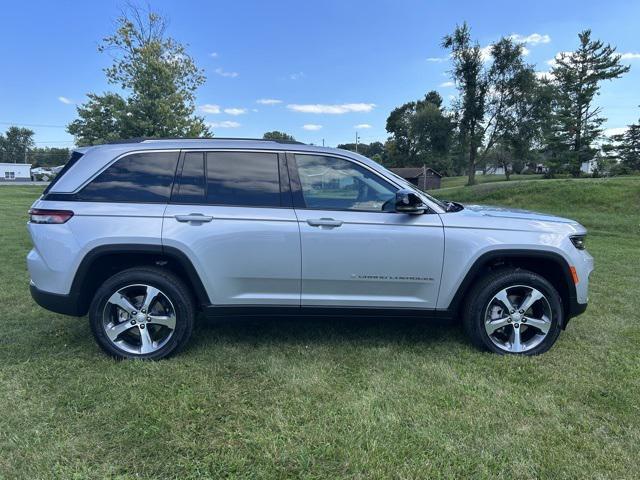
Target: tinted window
x=75 y=156
x=243 y=179
x=191 y=186
x=334 y=184
x=140 y=177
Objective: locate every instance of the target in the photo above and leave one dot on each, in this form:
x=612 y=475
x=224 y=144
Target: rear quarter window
x=144 y=177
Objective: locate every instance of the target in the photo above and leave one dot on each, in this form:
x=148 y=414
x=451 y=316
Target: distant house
x=589 y=166
x=425 y=178
x=493 y=170
x=15 y=172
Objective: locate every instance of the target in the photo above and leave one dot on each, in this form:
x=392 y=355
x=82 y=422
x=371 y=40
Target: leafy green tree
x=515 y=107
x=279 y=136
x=48 y=156
x=470 y=78
x=102 y=119
x=625 y=148
x=421 y=133
x=15 y=144
x=400 y=126
x=373 y=150
x=159 y=78
x=577 y=76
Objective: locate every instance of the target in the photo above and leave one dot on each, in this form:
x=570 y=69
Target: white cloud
x=224 y=73
x=525 y=51
x=437 y=59
x=235 y=111
x=209 y=108
x=485 y=53
x=332 y=109
x=544 y=75
x=533 y=39
x=553 y=61
x=615 y=131
x=223 y=124
x=214 y=55
x=447 y=84
x=362 y=125
x=66 y=101
x=312 y=126
x=296 y=75
x=630 y=56
x=268 y=101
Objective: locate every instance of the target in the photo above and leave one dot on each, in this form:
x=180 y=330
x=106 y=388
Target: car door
x=231 y=214
x=356 y=250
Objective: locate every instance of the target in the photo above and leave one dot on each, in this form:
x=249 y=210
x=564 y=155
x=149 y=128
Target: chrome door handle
x=324 y=222
x=194 y=218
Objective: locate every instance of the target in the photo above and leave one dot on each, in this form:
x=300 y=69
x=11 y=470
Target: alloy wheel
x=139 y=319
x=518 y=318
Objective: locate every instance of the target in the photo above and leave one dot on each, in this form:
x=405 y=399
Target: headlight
x=578 y=241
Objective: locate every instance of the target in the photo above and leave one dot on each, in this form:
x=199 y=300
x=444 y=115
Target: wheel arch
x=106 y=260
x=550 y=265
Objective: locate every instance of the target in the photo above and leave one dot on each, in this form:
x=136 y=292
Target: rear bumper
x=55 y=302
x=577 y=309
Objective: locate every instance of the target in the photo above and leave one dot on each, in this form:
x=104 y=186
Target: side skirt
x=216 y=311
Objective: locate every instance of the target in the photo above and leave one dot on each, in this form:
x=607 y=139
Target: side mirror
x=408 y=202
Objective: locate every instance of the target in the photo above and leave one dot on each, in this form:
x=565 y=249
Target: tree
x=577 y=76
x=48 y=156
x=468 y=73
x=399 y=125
x=625 y=148
x=278 y=136
x=374 y=150
x=516 y=108
x=159 y=78
x=15 y=144
x=421 y=133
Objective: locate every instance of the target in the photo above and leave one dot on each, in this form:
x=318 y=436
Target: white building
x=15 y=172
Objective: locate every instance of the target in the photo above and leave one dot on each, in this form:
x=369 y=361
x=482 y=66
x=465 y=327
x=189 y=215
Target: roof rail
x=172 y=139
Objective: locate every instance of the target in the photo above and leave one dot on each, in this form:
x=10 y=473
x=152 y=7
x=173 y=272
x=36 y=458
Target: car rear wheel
x=514 y=311
x=143 y=313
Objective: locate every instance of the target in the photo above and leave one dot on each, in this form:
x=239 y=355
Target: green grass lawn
x=334 y=398
x=449 y=182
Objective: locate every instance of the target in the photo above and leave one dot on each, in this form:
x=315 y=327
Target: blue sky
x=333 y=67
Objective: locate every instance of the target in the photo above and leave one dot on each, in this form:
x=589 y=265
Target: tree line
x=17 y=146
x=504 y=114
x=507 y=115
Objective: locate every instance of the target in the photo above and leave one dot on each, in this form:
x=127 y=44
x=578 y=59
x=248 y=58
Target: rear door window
x=191 y=184
x=144 y=177
x=247 y=179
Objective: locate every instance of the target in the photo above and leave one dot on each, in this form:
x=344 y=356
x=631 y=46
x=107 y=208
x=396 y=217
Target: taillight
x=38 y=215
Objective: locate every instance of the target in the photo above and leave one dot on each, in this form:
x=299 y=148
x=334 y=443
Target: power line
x=17 y=124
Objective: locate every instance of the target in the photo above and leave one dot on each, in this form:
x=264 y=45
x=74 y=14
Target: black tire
x=481 y=295
x=171 y=287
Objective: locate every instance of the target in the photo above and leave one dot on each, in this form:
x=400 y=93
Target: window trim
x=296 y=184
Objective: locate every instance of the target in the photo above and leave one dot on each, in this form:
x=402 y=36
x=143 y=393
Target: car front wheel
x=514 y=311
x=143 y=313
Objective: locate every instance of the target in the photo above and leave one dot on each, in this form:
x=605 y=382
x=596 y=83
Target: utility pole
x=357 y=138
x=323 y=142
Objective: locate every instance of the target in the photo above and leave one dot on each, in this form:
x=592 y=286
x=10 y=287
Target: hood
x=517 y=213
x=501 y=218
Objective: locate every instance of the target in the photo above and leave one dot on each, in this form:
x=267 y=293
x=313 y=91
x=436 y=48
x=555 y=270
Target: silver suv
x=144 y=235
